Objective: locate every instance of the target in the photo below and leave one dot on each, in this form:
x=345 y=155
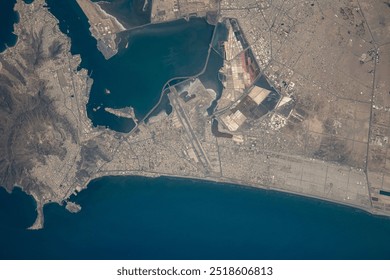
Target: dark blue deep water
x=7 y=19
x=142 y=218
x=136 y=76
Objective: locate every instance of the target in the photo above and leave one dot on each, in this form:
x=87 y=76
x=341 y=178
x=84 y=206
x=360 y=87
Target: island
x=305 y=106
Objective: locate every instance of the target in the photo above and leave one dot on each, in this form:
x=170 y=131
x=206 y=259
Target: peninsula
x=104 y=27
x=304 y=108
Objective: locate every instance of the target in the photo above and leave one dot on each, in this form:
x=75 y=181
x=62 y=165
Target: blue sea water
x=7 y=19
x=164 y=218
x=136 y=76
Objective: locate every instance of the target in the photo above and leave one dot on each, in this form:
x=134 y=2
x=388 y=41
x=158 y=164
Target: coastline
x=40 y=221
x=186 y=78
x=42 y=201
x=239 y=183
x=13 y=36
x=110 y=16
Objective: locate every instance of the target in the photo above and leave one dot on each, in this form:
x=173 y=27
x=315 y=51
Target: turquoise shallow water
x=143 y=218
